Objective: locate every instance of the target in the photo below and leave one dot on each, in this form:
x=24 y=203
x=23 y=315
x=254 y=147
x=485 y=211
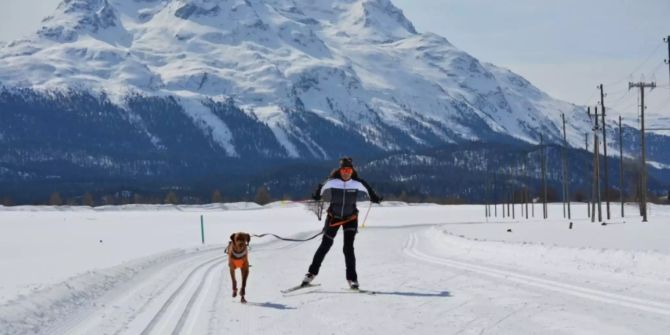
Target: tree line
x=262 y=196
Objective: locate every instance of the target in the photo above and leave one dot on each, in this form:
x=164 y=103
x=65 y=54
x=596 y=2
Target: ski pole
x=366 y=215
x=319 y=209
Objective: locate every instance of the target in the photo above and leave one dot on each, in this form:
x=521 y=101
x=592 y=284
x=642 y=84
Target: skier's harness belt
x=342 y=222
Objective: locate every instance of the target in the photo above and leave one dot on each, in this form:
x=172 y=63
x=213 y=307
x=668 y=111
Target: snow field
x=436 y=269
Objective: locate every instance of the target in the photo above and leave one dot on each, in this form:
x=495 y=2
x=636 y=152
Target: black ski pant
x=349 y=229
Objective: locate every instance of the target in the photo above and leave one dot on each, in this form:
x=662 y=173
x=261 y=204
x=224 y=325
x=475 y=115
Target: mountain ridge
x=153 y=95
x=358 y=62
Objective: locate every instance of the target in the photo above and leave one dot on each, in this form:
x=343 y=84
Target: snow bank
x=641 y=264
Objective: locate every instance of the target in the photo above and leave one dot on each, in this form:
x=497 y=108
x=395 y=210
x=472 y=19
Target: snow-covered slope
x=355 y=64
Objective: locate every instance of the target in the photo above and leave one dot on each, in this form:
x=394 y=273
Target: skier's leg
x=326 y=243
x=350 y=230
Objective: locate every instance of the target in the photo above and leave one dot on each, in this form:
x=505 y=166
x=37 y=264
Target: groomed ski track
x=423 y=285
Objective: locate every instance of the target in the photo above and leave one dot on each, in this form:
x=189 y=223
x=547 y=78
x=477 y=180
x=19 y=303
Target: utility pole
x=643 y=187
x=486 y=195
x=509 y=210
x=525 y=185
x=515 y=193
x=522 y=198
x=563 y=170
x=519 y=171
x=607 y=183
x=528 y=194
x=667 y=61
x=513 y=171
x=597 y=175
x=544 y=177
x=586 y=147
x=495 y=194
x=513 y=204
x=488 y=192
x=595 y=194
x=504 y=197
x=598 y=186
x=621 y=186
x=527 y=200
x=566 y=176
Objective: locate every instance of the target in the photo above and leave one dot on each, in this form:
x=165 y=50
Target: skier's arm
x=374 y=197
x=318 y=192
x=316 y=195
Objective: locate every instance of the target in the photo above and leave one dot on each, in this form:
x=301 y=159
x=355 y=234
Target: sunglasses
x=346 y=170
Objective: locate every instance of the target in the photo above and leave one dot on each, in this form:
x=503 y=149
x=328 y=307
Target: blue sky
x=565 y=47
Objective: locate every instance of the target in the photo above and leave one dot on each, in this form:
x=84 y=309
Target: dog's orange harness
x=237 y=263
x=237 y=258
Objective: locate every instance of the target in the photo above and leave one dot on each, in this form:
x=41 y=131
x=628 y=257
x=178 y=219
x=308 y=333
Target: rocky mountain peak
x=73 y=17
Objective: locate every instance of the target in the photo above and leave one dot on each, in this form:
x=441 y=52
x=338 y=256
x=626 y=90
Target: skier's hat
x=346 y=162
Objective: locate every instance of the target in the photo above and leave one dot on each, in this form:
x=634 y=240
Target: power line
x=622 y=90
x=624 y=108
x=588 y=101
x=658 y=46
x=622 y=97
x=626 y=91
x=664 y=103
x=658 y=66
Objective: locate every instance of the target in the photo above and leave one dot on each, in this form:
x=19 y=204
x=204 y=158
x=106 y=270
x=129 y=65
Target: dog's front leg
x=232 y=277
x=245 y=274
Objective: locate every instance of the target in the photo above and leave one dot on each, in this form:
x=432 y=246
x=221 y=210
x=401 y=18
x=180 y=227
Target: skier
x=344 y=185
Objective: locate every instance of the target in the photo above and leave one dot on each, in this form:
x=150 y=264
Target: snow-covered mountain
x=298 y=68
x=149 y=95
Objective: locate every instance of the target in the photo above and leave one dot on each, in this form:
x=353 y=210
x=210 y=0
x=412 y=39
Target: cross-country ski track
x=428 y=278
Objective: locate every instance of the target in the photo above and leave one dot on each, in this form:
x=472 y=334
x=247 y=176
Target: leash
x=315 y=206
x=288 y=239
x=319 y=208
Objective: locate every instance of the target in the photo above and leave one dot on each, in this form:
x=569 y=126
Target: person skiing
x=344 y=186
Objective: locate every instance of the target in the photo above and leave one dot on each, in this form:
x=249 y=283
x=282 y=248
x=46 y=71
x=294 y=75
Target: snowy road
x=427 y=283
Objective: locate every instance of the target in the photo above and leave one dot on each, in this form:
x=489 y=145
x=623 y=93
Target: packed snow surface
x=435 y=270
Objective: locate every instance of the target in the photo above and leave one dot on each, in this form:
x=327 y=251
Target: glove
x=376 y=198
x=317 y=193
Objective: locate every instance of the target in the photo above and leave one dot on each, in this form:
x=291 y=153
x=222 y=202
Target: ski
x=358 y=290
x=299 y=287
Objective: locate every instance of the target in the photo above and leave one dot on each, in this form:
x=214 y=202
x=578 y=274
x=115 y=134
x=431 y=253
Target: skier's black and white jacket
x=343 y=195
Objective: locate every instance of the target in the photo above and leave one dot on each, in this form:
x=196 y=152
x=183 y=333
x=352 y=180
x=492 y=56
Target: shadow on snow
x=270 y=305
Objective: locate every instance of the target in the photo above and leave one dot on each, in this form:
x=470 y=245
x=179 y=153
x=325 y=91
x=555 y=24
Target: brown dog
x=237 y=251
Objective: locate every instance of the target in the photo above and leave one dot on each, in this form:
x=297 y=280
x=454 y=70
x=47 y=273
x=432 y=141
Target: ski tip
x=299 y=287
